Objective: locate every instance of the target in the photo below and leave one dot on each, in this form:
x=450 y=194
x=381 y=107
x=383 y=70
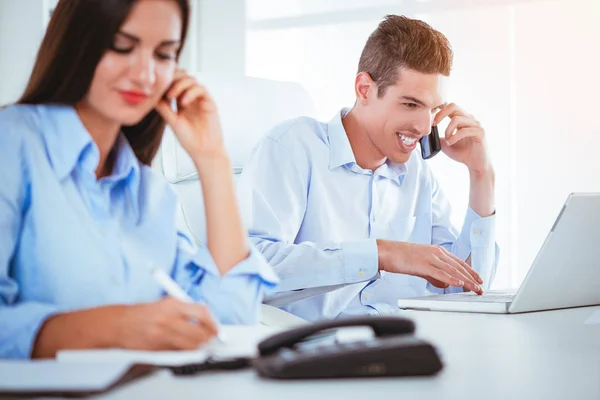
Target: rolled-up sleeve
x=19 y=321
x=19 y=325
x=484 y=251
x=233 y=298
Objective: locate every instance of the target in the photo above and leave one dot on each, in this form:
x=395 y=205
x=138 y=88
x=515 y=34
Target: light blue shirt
x=315 y=215
x=69 y=241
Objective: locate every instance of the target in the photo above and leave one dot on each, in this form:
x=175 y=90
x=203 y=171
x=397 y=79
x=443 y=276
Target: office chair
x=248 y=108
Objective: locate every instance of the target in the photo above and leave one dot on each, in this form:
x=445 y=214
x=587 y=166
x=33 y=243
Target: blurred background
x=529 y=70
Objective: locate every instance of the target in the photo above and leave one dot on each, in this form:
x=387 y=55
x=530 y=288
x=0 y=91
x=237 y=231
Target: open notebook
x=86 y=372
x=50 y=377
x=236 y=341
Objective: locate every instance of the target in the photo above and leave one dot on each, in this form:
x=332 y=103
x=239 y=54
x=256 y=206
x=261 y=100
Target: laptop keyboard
x=490 y=297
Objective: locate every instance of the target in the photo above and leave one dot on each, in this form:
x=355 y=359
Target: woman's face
x=135 y=72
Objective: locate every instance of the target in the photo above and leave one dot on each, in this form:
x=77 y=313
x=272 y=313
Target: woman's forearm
x=78 y=330
x=226 y=237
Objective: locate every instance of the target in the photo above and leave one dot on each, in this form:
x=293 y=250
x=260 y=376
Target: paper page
x=159 y=358
x=241 y=340
x=51 y=375
x=237 y=341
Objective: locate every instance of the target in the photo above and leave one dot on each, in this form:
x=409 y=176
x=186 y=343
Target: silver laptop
x=564 y=274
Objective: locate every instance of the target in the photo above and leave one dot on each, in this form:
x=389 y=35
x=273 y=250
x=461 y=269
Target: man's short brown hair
x=401 y=42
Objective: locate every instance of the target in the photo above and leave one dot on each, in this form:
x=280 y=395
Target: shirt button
x=366 y=296
x=477 y=232
x=360 y=274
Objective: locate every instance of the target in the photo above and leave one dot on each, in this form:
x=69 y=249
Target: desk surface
x=543 y=355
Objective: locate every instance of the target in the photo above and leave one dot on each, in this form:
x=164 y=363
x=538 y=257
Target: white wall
x=557 y=125
x=22 y=25
x=221 y=29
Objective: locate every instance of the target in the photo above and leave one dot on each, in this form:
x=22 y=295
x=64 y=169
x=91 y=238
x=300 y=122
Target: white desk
x=544 y=355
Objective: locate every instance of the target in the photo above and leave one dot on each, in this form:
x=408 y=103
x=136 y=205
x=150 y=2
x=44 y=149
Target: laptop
x=564 y=274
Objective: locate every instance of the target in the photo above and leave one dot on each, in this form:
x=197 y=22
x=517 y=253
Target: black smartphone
x=430 y=144
x=172 y=102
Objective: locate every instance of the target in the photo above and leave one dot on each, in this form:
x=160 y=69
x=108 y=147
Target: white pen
x=174 y=290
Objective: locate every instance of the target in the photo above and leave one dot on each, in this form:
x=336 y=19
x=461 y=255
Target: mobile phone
x=172 y=102
x=430 y=144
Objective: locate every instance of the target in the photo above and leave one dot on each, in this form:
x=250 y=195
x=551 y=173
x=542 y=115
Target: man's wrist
x=485 y=173
x=382 y=253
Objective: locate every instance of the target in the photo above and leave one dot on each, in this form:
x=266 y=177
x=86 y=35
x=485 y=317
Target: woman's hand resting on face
x=197 y=127
x=196 y=122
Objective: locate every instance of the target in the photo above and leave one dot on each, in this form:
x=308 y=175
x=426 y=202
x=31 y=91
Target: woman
x=84 y=220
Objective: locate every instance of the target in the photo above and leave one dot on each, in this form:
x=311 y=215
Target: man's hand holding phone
x=464 y=139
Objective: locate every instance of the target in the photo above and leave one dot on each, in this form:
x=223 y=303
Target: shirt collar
x=340 y=151
x=127 y=169
x=126 y=163
x=70 y=145
x=66 y=138
x=394 y=171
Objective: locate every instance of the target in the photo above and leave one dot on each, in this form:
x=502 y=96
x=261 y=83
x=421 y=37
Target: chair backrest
x=248 y=109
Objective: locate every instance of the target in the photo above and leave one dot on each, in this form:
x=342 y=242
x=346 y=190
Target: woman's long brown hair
x=78 y=35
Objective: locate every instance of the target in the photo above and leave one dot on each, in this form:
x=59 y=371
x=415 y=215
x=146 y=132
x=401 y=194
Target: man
x=348 y=214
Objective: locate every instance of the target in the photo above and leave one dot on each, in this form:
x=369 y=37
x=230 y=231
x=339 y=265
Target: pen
x=174 y=290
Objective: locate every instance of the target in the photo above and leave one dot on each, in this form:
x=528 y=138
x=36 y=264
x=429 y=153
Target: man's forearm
x=481 y=197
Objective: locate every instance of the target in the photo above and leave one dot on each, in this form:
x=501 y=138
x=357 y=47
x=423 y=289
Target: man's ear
x=364 y=87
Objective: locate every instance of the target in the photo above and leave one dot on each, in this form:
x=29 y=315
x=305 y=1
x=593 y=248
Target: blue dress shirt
x=70 y=241
x=315 y=215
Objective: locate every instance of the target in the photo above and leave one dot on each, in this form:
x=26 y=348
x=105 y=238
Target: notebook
x=51 y=377
x=236 y=341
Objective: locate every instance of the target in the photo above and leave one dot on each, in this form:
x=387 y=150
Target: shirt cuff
x=24 y=322
x=254 y=265
x=478 y=231
x=360 y=260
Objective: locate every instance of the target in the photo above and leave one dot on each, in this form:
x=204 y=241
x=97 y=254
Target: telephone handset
x=430 y=144
x=394 y=351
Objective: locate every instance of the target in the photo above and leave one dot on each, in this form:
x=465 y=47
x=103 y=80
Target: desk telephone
x=394 y=351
